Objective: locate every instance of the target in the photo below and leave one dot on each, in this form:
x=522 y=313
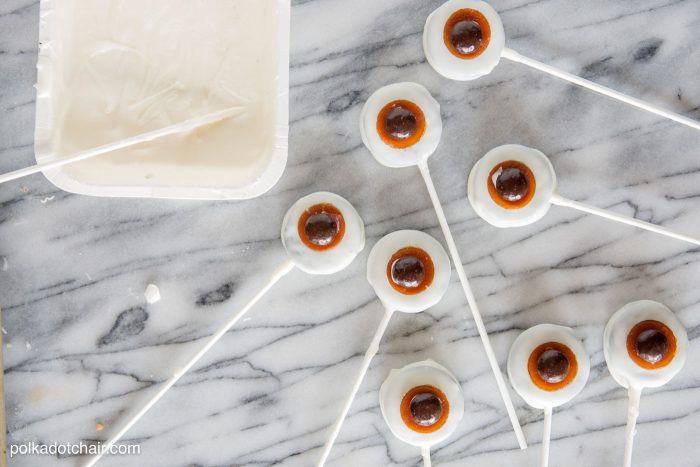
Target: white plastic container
x=112 y=69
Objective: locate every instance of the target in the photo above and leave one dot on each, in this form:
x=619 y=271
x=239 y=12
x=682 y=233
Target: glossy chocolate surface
x=400 y=123
x=426 y=409
x=408 y=271
x=466 y=36
x=651 y=345
x=467 y=33
x=512 y=184
x=321 y=228
x=552 y=366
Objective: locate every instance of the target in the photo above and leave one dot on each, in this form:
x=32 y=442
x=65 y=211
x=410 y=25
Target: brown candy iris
x=424 y=409
x=467 y=33
x=651 y=344
x=511 y=184
x=401 y=124
x=410 y=270
x=552 y=366
x=321 y=227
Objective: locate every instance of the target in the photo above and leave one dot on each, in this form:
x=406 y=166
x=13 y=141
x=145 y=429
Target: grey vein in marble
x=85 y=347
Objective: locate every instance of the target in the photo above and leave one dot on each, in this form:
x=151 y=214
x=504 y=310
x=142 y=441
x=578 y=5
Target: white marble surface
x=85 y=346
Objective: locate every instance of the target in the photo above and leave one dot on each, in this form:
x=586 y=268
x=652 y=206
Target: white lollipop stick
x=635 y=395
x=559 y=201
x=471 y=300
x=280 y=272
x=369 y=355
x=514 y=56
x=425 y=451
x=546 y=436
x=187 y=125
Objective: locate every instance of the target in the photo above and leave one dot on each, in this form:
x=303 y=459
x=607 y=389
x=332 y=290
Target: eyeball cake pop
x=548 y=367
x=322 y=233
x=410 y=272
x=512 y=186
x=645 y=346
x=464 y=39
x=401 y=125
x=422 y=404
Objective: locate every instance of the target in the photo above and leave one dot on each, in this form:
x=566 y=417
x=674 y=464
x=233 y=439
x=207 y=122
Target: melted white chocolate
x=327 y=261
x=622 y=368
x=121 y=68
x=401 y=381
x=380 y=256
x=420 y=151
x=518 y=373
x=493 y=213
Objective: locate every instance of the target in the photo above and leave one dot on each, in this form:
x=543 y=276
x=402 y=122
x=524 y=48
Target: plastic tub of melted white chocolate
x=112 y=69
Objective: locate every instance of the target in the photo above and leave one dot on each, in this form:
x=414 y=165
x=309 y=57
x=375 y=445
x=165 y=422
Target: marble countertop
x=83 y=347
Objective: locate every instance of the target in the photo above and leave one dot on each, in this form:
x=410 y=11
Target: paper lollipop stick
x=514 y=186
x=280 y=272
x=331 y=252
x=471 y=300
x=385 y=136
x=559 y=201
x=425 y=451
x=645 y=345
x=369 y=355
x=633 y=101
x=635 y=395
x=546 y=436
x=419 y=251
x=187 y=125
x=467 y=53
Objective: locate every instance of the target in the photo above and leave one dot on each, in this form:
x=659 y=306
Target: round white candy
x=622 y=368
x=448 y=64
x=327 y=261
x=519 y=356
x=400 y=382
x=412 y=155
x=381 y=255
x=497 y=215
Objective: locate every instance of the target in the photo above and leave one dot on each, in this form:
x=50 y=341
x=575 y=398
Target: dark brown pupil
x=512 y=184
x=553 y=366
x=408 y=272
x=321 y=228
x=651 y=345
x=400 y=123
x=466 y=36
x=426 y=409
